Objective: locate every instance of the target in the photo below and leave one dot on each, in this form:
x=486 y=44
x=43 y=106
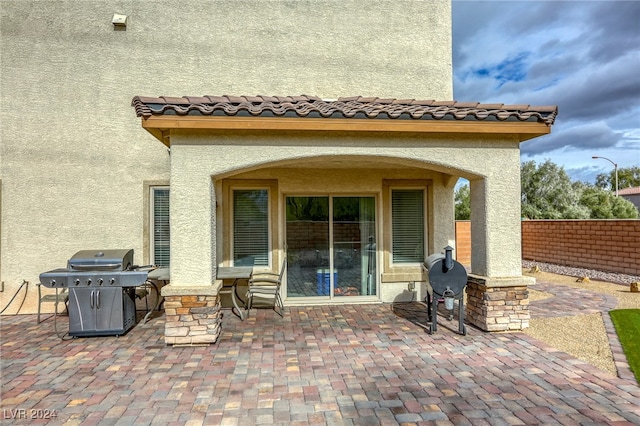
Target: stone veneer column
x=192 y=303
x=498 y=304
x=193 y=316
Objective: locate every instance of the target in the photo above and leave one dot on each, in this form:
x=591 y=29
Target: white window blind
x=251 y=227
x=407 y=217
x=160 y=226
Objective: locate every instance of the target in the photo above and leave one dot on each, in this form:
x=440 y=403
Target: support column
x=495 y=225
x=442 y=228
x=497 y=292
x=193 y=315
x=192 y=303
x=499 y=304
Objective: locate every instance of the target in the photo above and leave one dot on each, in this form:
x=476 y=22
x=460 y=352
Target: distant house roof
x=629 y=191
x=353 y=107
x=355 y=114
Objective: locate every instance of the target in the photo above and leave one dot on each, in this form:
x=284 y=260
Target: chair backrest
x=282 y=269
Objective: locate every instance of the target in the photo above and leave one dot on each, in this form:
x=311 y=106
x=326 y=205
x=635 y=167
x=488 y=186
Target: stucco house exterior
x=631 y=194
x=222 y=133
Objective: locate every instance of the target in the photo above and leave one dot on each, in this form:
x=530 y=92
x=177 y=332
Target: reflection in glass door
x=331 y=255
x=307 y=246
x=354 y=246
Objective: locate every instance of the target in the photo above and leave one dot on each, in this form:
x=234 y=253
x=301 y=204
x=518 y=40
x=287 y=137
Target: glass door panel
x=354 y=246
x=331 y=246
x=307 y=246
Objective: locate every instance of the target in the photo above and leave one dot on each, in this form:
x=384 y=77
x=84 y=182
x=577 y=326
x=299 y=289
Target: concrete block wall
x=304 y=234
x=463 y=242
x=608 y=245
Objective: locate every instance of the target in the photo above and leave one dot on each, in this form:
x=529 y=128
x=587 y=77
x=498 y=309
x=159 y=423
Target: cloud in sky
x=583 y=56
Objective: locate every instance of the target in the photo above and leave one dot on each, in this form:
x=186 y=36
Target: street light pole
x=615 y=166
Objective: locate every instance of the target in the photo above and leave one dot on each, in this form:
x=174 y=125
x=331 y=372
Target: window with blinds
x=250 y=227
x=407 y=225
x=160 y=226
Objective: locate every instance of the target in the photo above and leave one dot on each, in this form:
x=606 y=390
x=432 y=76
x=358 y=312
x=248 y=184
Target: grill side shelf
x=61 y=278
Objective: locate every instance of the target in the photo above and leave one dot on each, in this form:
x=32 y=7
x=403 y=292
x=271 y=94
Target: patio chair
x=63 y=297
x=266 y=285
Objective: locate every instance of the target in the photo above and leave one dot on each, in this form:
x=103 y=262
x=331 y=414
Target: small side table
x=235 y=273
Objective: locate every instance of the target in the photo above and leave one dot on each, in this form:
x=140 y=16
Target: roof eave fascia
x=160 y=126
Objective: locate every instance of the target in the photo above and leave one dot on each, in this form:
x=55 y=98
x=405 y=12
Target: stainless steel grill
x=101 y=285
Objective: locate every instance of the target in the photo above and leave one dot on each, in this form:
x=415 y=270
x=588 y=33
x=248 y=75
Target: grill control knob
x=100 y=281
x=112 y=281
x=53 y=283
x=89 y=281
x=76 y=281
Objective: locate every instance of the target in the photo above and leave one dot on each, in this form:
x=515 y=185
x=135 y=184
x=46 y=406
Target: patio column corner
x=193 y=314
x=498 y=303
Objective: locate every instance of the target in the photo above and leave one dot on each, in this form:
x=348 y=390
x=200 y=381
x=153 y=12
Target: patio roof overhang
x=303 y=113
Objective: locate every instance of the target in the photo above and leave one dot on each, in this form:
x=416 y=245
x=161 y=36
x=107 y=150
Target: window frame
x=149 y=220
x=233 y=219
x=228 y=188
x=401 y=272
x=422 y=192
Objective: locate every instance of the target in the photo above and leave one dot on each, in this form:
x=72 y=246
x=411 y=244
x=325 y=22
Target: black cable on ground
x=55 y=322
x=25 y=283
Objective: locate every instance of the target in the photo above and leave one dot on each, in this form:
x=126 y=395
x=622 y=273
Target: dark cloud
x=596 y=92
x=593 y=136
x=583 y=56
x=614 y=27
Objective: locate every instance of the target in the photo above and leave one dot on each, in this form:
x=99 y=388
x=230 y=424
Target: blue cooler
x=323 y=278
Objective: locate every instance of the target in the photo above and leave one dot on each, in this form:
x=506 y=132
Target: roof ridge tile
x=345 y=107
x=521 y=107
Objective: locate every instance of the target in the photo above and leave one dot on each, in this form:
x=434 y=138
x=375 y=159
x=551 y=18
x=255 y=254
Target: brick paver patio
x=358 y=364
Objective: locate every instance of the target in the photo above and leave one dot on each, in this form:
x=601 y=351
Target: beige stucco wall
x=73 y=157
x=362 y=162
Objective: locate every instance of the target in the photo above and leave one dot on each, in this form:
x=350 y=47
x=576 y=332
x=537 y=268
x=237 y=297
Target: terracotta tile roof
x=629 y=191
x=353 y=107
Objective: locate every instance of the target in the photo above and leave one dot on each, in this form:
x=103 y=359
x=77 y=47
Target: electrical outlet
x=412 y=286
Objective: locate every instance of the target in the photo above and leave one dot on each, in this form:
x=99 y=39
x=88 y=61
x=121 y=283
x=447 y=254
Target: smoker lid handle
x=93 y=267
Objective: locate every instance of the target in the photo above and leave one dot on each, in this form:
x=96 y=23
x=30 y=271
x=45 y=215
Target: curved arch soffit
x=352 y=161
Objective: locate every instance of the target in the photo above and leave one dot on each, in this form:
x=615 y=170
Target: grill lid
x=96 y=268
x=100 y=260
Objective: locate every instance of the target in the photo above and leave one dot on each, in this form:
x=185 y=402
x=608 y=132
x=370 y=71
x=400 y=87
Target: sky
x=583 y=56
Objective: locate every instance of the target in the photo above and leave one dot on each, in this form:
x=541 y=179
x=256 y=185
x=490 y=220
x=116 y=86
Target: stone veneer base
x=500 y=304
x=192 y=319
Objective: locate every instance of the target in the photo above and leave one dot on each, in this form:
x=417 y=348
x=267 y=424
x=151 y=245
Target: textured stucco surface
x=75 y=163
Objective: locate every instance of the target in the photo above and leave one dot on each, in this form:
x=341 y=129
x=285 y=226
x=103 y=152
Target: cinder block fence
x=607 y=245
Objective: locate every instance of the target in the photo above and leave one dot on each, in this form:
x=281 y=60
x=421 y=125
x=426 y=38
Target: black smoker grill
x=101 y=286
x=447 y=279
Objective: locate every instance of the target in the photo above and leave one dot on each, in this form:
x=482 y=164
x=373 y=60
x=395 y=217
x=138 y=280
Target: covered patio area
x=356 y=193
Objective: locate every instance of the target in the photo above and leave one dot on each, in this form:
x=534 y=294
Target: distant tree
x=603 y=204
x=548 y=193
x=463 y=203
x=628 y=177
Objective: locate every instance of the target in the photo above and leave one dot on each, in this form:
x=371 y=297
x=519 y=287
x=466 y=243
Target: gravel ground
x=612 y=277
x=587 y=339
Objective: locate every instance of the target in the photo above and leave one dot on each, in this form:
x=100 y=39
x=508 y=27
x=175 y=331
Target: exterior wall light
x=119 y=22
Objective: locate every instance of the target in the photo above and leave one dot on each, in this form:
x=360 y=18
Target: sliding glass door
x=331 y=246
